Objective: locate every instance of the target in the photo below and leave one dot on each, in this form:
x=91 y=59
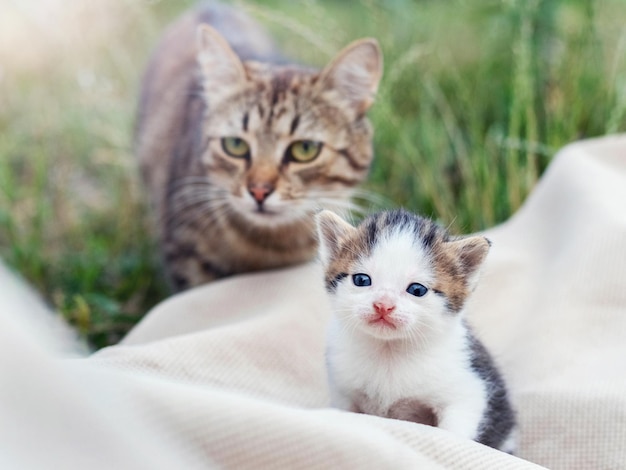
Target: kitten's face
x=396 y=275
x=389 y=293
x=283 y=141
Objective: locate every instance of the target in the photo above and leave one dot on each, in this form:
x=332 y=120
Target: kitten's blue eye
x=417 y=290
x=361 y=280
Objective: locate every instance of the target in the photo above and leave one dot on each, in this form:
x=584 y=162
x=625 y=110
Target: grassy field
x=476 y=98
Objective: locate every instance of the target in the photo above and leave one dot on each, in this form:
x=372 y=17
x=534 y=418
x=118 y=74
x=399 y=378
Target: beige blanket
x=232 y=374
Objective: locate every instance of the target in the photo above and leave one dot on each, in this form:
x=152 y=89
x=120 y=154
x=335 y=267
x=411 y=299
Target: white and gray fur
x=393 y=354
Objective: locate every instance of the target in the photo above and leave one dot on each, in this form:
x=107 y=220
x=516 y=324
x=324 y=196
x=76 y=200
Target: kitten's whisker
x=412 y=341
x=350 y=323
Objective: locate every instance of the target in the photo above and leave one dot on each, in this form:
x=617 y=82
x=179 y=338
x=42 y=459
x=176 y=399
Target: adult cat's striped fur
x=238 y=150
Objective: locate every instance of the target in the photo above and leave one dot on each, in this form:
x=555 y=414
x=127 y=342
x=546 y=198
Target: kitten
x=239 y=150
x=398 y=345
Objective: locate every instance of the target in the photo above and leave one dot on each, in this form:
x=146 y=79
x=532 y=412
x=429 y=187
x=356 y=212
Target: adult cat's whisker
x=191 y=197
x=328 y=196
x=195 y=186
x=376 y=199
x=214 y=213
x=326 y=203
x=189 y=204
x=345 y=203
x=190 y=179
x=198 y=186
x=206 y=213
x=188 y=208
x=342 y=207
x=190 y=187
x=179 y=218
x=187 y=181
x=340 y=193
x=351 y=194
x=194 y=196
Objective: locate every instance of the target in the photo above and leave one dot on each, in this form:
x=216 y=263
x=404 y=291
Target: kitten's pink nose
x=260 y=191
x=384 y=308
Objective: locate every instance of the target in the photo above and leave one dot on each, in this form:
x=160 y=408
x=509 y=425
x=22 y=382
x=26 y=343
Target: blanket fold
x=232 y=374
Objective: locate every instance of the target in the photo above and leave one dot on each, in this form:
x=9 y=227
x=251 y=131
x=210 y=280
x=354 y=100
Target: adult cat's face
x=283 y=141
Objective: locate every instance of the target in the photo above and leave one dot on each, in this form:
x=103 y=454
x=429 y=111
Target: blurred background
x=476 y=98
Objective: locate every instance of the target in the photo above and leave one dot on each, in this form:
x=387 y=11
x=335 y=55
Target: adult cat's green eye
x=235 y=147
x=304 y=151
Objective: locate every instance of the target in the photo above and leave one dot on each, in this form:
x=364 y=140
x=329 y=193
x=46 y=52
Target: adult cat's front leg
x=187 y=266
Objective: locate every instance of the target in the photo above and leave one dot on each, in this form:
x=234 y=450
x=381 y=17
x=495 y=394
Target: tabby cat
x=238 y=149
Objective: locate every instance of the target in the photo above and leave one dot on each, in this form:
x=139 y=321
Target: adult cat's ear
x=354 y=74
x=221 y=68
x=471 y=252
x=331 y=229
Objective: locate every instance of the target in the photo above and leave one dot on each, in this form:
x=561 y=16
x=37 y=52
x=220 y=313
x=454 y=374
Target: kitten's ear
x=355 y=73
x=330 y=229
x=221 y=68
x=471 y=252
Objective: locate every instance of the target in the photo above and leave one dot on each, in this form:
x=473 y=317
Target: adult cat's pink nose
x=383 y=308
x=260 y=191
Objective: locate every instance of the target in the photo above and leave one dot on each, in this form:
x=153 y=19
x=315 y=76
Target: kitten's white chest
x=377 y=374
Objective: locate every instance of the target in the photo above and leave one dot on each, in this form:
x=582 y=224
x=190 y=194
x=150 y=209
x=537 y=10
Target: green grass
x=476 y=98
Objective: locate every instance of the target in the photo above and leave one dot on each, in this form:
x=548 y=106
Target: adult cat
x=238 y=149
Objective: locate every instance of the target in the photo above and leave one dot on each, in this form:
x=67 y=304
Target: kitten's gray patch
x=331 y=284
x=499 y=418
